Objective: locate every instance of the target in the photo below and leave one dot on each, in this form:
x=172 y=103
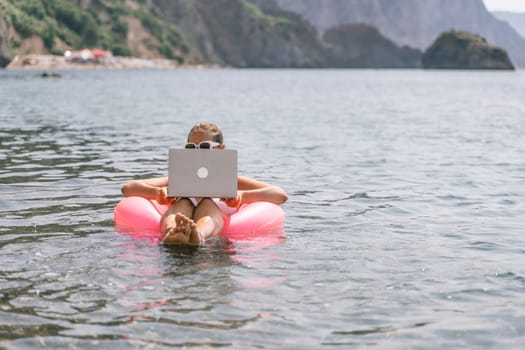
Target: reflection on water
x=405 y=211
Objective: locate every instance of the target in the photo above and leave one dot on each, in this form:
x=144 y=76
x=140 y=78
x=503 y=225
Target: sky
x=505 y=5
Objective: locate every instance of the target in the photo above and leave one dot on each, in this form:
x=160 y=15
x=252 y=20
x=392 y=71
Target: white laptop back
x=202 y=173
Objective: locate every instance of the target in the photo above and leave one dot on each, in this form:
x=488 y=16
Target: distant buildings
x=88 y=59
x=88 y=56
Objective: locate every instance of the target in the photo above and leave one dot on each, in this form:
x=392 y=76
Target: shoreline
x=38 y=62
x=52 y=62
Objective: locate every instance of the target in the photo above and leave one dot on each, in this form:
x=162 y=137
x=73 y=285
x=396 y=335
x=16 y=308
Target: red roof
x=98 y=53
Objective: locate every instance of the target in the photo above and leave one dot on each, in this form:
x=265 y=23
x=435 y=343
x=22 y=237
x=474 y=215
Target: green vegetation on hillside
x=255 y=11
x=463 y=50
x=95 y=23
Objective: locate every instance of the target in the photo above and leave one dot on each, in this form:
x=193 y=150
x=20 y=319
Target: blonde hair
x=208 y=127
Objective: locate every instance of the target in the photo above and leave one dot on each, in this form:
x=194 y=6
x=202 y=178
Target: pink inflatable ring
x=140 y=214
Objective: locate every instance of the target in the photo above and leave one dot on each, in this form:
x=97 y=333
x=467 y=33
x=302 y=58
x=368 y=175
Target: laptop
x=202 y=173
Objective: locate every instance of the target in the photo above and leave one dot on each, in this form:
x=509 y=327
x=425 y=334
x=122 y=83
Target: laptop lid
x=202 y=173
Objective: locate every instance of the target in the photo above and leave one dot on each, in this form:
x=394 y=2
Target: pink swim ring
x=253 y=219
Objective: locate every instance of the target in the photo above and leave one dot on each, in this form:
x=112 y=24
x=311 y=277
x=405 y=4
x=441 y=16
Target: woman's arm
x=250 y=190
x=156 y=188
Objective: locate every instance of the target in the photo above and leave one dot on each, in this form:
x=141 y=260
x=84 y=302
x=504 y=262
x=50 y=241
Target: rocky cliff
x=412 y=22
x=239 y=33
x=463 y=50
x=242 y=34
x=258 y=33
x=360 y=45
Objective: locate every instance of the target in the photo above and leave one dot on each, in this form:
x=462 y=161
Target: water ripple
x=404 y=216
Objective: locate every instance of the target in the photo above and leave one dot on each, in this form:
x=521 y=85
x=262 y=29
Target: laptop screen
x=202 y=173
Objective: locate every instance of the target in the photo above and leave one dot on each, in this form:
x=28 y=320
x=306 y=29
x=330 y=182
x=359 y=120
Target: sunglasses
x=202 y=145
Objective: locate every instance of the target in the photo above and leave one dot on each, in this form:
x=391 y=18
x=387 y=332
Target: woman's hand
x=234 y=202
x=162 y=196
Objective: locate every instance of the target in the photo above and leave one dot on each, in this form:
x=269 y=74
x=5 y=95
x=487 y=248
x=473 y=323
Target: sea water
x=405 y=221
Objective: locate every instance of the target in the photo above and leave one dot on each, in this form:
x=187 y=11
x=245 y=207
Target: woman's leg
x=209 y=221
x=172 y=227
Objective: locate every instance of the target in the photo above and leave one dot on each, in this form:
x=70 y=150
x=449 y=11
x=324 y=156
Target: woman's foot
x=184 y=232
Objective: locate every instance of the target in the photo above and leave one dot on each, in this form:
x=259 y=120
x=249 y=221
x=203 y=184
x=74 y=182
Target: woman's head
x=205 y=132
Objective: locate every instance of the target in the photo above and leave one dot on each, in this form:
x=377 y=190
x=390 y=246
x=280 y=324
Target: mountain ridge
x=413 y=22
x=515 y=19
x=238 y=33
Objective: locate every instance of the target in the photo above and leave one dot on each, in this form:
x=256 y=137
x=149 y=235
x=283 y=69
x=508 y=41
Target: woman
x=194 y=220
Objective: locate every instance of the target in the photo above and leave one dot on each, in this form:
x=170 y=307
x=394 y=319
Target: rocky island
x=464 y=50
